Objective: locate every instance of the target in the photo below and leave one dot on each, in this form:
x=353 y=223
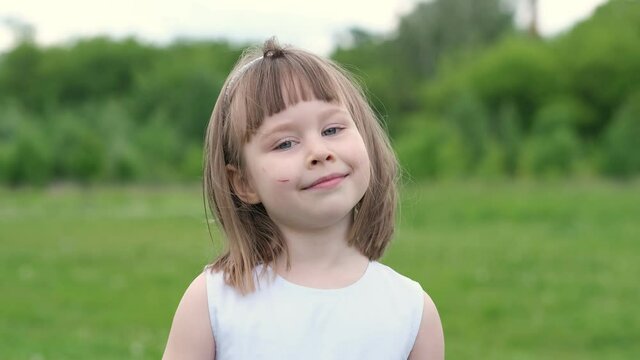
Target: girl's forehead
x=304 y=112
x=305 y=109
x=283 y=92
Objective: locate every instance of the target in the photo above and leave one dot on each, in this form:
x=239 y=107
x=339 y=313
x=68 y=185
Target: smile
x=327 y=182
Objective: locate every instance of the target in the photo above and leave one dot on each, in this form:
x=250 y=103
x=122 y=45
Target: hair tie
x=273 y=53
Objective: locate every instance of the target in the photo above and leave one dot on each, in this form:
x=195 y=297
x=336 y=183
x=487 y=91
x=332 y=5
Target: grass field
x=517 y=270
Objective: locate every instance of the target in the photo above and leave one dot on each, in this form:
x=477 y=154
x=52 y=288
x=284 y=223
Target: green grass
x=517 y=270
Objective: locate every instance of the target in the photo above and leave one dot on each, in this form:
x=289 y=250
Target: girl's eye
x=331 y=131
x=284 y=145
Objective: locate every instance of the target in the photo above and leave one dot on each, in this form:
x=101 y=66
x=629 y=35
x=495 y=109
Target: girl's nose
x=320 y=154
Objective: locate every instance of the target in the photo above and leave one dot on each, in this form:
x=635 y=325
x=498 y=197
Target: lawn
x=518 y=270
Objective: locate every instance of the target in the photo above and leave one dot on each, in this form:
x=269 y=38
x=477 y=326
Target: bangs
x=272 y=84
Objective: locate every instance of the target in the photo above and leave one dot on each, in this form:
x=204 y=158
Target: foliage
x=80 y=150
x=112 y=111
x=436 y=28
x=431 y=149
x=395 y=65
x=25 y=154
x=519 y=71
x=621 y=154
x=563 y=92
x=461 y=92
x=600 y=59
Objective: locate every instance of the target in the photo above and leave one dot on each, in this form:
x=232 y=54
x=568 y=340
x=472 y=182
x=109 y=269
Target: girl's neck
x=320 y=251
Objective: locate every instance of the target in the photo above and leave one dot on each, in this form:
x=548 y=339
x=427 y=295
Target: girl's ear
x=241 y=186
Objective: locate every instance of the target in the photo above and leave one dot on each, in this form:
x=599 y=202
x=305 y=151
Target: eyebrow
x=287 y=124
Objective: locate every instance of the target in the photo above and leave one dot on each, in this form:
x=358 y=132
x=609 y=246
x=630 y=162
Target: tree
x=443 y=26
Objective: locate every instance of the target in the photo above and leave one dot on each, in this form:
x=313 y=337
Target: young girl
x=302 y=180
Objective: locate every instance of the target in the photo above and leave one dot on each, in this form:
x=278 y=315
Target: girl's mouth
x=326 y=182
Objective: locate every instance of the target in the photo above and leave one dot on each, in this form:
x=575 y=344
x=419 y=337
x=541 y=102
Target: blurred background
x=517 y=124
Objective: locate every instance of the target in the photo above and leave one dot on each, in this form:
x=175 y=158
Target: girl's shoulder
x=427 y=331
x=394 y=278
x=191 y=334
x=218 y=290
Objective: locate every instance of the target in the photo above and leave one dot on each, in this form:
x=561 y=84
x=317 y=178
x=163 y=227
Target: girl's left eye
x=331 y=131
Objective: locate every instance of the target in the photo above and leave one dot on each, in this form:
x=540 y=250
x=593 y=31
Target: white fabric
x=377 y=317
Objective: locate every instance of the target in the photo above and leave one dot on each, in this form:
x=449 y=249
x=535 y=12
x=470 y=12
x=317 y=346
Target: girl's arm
x=429 y=343
x=191 y=336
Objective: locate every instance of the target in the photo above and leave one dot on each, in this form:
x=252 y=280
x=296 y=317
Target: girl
x=302 y=180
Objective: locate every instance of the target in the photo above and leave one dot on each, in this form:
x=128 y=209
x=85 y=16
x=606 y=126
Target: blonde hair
x=264 y=82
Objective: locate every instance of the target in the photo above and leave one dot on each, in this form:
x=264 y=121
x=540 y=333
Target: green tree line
x=108 y=111
x=462 y=92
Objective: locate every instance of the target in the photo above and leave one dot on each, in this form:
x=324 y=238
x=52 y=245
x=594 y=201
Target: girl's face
x=308 y=165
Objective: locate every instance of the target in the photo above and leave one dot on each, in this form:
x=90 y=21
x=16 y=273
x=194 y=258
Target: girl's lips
x=327 y=182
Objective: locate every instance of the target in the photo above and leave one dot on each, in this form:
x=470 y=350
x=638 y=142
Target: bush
x=621 y=154
x=553 y=148
x=516 y=70
x=25 y=151
x=418 y=146
x=471 y=120
x=161 y=149
x=192 y=166
x=600 y=59
x=80 y=151
x=509 y=137
x=123 y=161
x=429 y=148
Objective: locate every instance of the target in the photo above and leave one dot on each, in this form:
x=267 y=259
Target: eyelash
x=279 y=145
x=337 y=129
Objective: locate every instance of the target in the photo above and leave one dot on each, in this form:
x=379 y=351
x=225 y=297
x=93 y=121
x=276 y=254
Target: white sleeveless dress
x=377 y=317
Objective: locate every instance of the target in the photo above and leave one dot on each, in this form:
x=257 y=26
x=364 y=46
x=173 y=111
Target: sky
x=315 y=26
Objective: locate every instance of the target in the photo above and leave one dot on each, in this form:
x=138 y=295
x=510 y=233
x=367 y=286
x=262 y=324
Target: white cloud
x=311 y=25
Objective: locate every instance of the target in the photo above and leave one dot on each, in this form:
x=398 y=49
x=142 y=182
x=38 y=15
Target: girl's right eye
x=287 y=144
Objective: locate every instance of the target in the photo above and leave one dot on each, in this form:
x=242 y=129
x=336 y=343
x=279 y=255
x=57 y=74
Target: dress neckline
x=297 y=287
